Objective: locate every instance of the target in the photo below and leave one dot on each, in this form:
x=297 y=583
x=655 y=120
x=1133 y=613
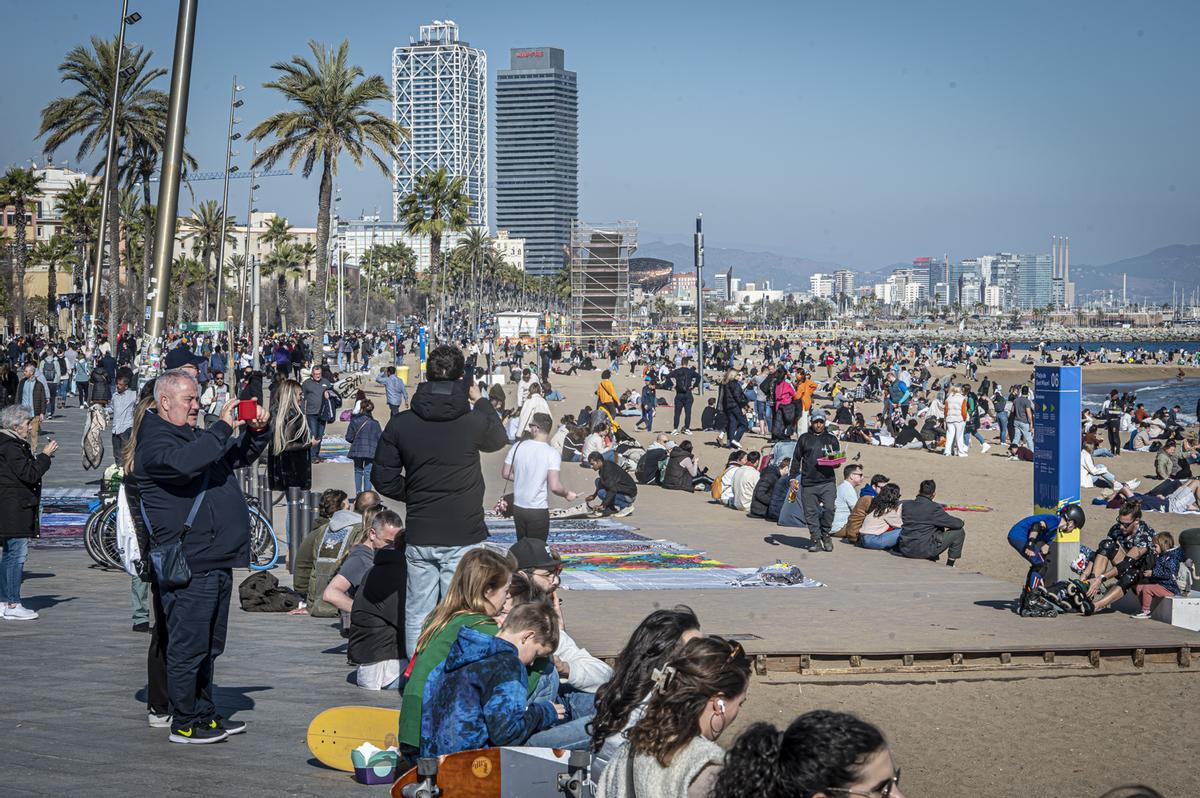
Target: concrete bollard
x=295 y=524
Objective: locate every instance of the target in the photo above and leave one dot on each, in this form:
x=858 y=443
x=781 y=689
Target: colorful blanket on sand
x=666 y=579
x=335 y=449
x=968 y=508
x=640 y=561
x=64 y=516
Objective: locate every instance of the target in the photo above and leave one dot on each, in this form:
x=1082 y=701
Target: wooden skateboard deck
x=496 y=773
x=334 y=733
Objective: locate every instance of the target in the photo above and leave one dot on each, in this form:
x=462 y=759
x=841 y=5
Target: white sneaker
x=158 y=721
x=984 y=449
x=1142 y=616
x=623 y=512
x=1133 y=483
x=962 y=454
x=16 y=612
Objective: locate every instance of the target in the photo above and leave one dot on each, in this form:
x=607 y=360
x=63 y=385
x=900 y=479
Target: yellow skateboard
x=334 y=733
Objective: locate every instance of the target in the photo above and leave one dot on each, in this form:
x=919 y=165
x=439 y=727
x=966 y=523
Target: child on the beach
x=1032 y=537
x=1159 y=581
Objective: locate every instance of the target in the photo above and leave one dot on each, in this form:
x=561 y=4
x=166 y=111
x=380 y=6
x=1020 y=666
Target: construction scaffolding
x=600 y=279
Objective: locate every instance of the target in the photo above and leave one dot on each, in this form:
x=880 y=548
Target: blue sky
x=857 y=132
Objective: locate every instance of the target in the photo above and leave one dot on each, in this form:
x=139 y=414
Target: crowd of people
x=473 y=636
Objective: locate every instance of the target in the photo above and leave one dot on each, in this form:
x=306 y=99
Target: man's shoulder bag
x=169 y=561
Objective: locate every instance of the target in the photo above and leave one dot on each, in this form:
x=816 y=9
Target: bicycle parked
x=100 y=536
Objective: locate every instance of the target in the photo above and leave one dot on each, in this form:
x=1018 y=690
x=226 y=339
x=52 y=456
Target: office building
x=926 y=272
x=353 y=237
x=993 y=298
x=537 y=154
x=970 y=290
x=843 y=283
x=1035 y=287
x=957 y=271
x=820 y=286
x=1005 y=271
x=439 y=92
x=511 y=250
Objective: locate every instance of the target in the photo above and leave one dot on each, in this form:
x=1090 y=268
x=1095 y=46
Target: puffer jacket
x=20 y=486
x=363 y=433
x=478 y=697
x=428 y=458
x=760 y=505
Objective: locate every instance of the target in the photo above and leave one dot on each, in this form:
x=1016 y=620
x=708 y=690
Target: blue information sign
x=421 y=342
x=1056 y=438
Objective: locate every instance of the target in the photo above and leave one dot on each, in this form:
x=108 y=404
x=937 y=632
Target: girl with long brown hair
x=476 y=595
x=672 y=751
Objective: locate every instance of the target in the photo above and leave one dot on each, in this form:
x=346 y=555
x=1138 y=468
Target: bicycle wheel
x=100 y=542
x=106 y=535
x=264 y=546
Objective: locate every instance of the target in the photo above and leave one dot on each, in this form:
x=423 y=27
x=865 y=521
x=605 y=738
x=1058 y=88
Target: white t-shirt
x=531 y=462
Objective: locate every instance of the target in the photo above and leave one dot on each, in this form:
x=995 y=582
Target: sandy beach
x=954 y=735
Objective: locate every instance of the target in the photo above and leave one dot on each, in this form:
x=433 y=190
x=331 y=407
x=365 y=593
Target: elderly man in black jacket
x=428 y=458
x=189 y=495
x=928 y=529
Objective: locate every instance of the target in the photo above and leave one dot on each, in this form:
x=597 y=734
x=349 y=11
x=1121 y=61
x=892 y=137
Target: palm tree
x=278 y=232
x=206 y=225
x=54 y=253
x=141 y=116
x=333 y=116
x=437 y=204
x=307 y=252
x=283 y=262
x=474 y=249
x=189 y=271
x=17 y=188
x=138 y=169
x=80 y=209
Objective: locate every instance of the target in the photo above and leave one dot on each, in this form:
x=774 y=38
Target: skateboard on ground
x=496 y=773
x=334 y=733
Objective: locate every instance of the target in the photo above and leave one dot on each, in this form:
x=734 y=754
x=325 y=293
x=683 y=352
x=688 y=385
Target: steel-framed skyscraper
x=537 y=154
x=439 y=92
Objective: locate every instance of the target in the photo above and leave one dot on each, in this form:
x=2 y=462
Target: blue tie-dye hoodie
x=478 y=698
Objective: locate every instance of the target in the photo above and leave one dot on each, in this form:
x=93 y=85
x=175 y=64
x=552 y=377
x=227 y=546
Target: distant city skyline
x=860 y=134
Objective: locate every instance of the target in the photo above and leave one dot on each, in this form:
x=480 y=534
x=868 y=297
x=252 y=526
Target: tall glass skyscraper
x=537 y=155
x=1035 y=287
x=439 y=92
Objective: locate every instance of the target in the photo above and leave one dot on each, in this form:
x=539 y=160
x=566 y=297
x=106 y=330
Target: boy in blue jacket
x=478 y=697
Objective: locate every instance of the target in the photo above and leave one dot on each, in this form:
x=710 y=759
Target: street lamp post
x=234 y=103
x=698 y=255
x=245 y=277
x=109 y=159
x=172 y=162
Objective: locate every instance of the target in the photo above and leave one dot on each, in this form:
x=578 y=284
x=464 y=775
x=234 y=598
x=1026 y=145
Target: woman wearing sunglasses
x=821 y=754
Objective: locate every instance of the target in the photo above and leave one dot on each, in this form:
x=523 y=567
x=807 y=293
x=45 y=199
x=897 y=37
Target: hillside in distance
x=1150 y=276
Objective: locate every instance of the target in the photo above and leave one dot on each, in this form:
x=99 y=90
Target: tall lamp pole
x=234 y=103
x=250 y=209
x=698 y=252
x=168 y=184
x=109 y=159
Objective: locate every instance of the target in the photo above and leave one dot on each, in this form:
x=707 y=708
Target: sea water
x=1151 y=393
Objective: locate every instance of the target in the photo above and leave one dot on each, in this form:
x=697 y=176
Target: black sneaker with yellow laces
x=198 y=733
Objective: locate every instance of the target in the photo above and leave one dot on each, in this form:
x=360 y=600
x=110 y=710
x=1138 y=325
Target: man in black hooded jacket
x=428 y=458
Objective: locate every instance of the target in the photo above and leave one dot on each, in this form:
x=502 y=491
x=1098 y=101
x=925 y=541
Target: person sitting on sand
x=928 y=530
x=910 y=437
x=1129 y=538
x=882 y=524
x=1023 y=453
x=1098 y=476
